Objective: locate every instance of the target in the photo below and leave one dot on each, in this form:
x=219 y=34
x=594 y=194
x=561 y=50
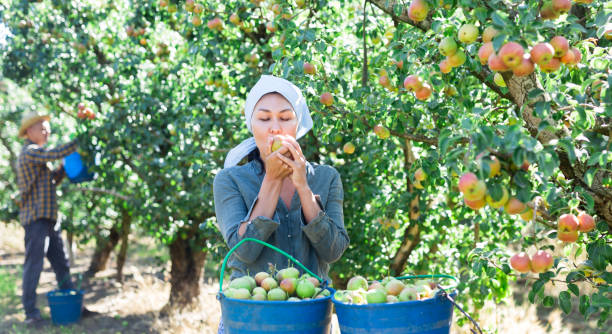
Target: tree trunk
x=104 y=247
x=186 y=272
x=412 y=233
x=126 y=222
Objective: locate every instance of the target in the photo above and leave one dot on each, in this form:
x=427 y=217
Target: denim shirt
x=315 y=244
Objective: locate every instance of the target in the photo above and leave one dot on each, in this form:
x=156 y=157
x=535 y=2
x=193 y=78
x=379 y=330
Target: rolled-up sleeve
x=231 y=211
x=326 y=232
x=38 y=154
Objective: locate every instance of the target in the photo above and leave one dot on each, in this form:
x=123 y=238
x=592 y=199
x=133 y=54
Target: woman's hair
x=254 y=155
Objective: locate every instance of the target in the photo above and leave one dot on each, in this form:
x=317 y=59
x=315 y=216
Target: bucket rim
x=53 y=293
x=221 y=295
x=430 y=300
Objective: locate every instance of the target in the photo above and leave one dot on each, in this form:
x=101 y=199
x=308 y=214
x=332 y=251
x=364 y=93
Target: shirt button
x=289 y=235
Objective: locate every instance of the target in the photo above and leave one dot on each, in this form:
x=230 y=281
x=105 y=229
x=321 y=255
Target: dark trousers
x=42 y=237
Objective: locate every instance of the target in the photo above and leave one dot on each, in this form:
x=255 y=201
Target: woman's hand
x=297 y=165
x=276 y=169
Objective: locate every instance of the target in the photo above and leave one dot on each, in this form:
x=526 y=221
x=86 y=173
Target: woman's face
x=273 y=115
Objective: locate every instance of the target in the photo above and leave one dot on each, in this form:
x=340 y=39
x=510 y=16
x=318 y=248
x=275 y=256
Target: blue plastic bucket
x=65 y=305
x=76 y=169
x=258 y=317
x=428 y=316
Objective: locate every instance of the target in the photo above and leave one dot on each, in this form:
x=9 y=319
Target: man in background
x=38 y=210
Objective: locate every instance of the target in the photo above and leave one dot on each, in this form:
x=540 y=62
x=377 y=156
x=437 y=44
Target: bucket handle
x=67 y=277
x=323 y=282
x=447 y=296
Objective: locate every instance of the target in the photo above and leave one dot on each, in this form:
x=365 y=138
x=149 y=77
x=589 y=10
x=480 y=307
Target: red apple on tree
x=485 y=51
x=561 y=6
x=511 y=54
x=553 y=65
x=521 y=262
x=526 y=67
x=235 y=19
x=196 y=21
x=457 y=59
x=541 y=261
x=472 y=188
x=586 y=223
x=476 y=204
x=560 y=44
x=445 y=66
x=327 y=99
x=189 y=5
x=547 y=12
x=381 y=132
x=568 y=58
x=398 y=63
x=309 y=69
x=412 y=83
x=577 y=55
x=514 y=206
x=423 y=93
x=489 y=33
x=417 y=11
x=542 y=53
x=348 y=148
x=383 y=80
x=567 y=228
x=496 y=63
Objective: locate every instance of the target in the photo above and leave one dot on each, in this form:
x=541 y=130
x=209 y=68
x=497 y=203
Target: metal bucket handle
x=323 y=282
x=445 y=294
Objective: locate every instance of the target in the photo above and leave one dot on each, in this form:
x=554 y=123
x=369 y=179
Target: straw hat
x=30 y=118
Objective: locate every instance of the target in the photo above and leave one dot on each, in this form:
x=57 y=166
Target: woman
x=279 y=197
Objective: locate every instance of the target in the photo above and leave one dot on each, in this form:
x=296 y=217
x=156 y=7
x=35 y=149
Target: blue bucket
x=76 y=169
x=65 y=305
x=258 y=317
x=428 y=316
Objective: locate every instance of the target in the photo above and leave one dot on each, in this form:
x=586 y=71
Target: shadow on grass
x=141 y=323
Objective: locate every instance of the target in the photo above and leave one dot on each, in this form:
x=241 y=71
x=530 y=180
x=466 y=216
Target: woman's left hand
x=298 y=164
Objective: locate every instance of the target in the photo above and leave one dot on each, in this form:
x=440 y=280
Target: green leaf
x=498 y=41
x=584 y=304
x=548 y=301
x=565 y=302
x=567 y=145
x=498 y=21
x=534 y=93
x=574 y=289
x=601 y=301
x=590 y=202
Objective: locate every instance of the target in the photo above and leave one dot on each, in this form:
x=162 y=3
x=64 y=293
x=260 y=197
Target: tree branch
x=388 y=6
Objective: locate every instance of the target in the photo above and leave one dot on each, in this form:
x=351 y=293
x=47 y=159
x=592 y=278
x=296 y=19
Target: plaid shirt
x=37 y=182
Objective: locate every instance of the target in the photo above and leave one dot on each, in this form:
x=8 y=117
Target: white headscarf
x=270 y=84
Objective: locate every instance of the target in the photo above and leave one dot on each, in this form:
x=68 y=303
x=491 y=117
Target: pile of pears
x=286 y=285
x=389 y=290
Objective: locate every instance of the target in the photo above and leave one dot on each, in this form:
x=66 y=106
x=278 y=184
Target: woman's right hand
x=276 y=169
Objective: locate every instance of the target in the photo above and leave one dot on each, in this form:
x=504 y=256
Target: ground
x=133 y=306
